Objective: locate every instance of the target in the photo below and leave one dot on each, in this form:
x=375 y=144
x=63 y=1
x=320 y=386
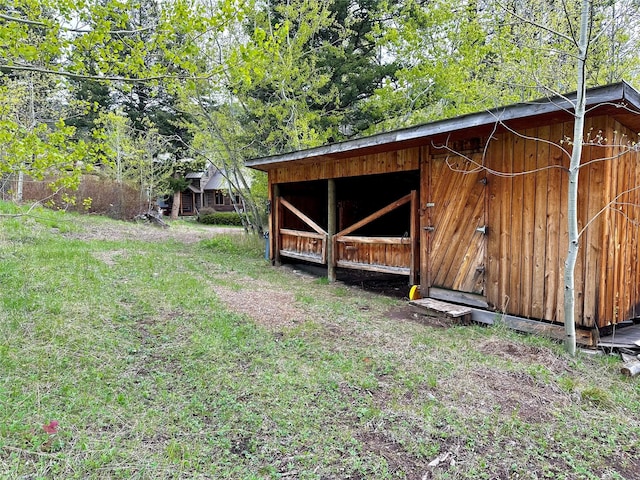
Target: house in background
x=448 y=204
x=207 y=189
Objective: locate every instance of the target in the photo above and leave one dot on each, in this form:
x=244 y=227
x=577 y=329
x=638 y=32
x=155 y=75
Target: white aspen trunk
x=574 y=171
x=19 y=187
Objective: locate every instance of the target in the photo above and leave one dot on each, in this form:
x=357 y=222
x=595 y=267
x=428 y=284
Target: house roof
x=194 y=175
x=216 y=182
x=619 y=100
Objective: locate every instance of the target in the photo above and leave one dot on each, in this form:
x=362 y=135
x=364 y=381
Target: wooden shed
x=473 y=209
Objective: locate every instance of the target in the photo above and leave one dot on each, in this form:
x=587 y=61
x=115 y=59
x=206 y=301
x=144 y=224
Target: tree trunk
x=574 y=172
x=19 y=187
x=175 y=208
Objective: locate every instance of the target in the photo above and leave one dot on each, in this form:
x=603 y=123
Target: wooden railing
x=385 y=254
x=301 y=244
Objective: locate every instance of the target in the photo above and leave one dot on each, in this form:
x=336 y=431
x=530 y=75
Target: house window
x=219 y=197
x=208 y=198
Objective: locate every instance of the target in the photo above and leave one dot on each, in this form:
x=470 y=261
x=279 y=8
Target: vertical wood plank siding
x=527 y=222
x=620 y=275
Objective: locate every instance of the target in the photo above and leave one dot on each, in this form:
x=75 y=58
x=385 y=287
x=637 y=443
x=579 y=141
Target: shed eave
x=612 y=95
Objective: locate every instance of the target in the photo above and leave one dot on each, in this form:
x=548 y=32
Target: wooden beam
x=373 y=268
x=301 y=233
x=414 y=233
x=302 y=216
x=465 y=298
x=425 y=212
x=271 y=230
x=374 y=216
x=374 y=240
x=552 y=330
x=277 y=241
x=331 y=227
x=301 y=256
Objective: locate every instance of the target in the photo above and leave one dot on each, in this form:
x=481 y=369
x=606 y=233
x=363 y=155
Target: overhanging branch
x=98 y=78
x=34 y=23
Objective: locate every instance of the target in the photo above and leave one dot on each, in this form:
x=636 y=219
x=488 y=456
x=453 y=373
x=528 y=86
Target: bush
x=96 y=194
x=211 y=217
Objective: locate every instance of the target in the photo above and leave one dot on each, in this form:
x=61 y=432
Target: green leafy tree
x=261 y=97
x=95 y=40
x=34 y=140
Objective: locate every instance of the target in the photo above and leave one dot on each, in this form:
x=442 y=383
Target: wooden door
x=457 y=227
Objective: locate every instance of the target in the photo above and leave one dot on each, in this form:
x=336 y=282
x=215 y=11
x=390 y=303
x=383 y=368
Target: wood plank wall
x=527 y=223
x=619 y=295
x=528 y=232
x=324 y=168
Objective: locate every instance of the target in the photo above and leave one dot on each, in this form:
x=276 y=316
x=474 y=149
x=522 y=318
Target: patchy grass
x=166 y=358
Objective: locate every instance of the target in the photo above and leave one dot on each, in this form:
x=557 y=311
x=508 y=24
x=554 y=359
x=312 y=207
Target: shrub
x=95 y=194
x=219 y=218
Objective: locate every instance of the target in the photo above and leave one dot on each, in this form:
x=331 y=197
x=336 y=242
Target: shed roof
x=619 y=100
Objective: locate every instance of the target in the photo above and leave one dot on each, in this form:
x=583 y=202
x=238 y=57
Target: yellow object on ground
x=414 y=293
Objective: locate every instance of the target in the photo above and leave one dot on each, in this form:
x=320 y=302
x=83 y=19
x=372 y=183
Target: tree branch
x=35 y=23
x=99 y=78
x=538 y=25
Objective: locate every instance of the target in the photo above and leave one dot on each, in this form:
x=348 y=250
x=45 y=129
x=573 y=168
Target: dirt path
x=179 y=231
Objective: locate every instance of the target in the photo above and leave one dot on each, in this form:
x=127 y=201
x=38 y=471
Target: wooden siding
x=325 y=168
x=619 y=295
x=309 y=246
x=457 y=248
x=527 y=222
x=379 y=254
x=528 y=227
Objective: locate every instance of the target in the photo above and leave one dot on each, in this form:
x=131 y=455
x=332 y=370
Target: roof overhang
x=619 y=100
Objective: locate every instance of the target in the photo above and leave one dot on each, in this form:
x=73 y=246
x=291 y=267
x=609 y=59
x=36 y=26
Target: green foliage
x=32 y=144
x=219 y=218
x=177 y=184
x=248 y=245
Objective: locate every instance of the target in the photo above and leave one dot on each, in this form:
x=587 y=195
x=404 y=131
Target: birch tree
x=575 y=37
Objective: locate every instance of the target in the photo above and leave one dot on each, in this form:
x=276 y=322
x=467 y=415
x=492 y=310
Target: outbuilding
x=473 y=209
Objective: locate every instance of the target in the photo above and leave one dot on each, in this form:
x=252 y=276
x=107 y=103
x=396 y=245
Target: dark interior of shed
x=356 y=198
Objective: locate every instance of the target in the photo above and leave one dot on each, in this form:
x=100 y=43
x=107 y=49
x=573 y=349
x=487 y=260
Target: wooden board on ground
x=622 y=337
x=425 y=305
x=520 y=324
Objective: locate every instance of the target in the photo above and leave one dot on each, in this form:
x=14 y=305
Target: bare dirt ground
x=180 y=232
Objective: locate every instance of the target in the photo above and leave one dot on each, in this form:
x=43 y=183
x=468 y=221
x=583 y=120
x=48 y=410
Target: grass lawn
x=132 y=352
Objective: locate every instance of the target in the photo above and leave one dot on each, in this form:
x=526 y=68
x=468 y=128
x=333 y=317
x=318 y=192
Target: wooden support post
x=415 y=239
x=331 y=230
x=425 y=212
x=275 y=226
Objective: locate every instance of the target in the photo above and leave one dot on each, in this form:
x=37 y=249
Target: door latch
x=429 y=229
x=482 y=229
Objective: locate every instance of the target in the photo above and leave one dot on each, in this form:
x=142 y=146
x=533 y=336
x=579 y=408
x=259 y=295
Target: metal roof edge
x=598 y=95
x=631 y=94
